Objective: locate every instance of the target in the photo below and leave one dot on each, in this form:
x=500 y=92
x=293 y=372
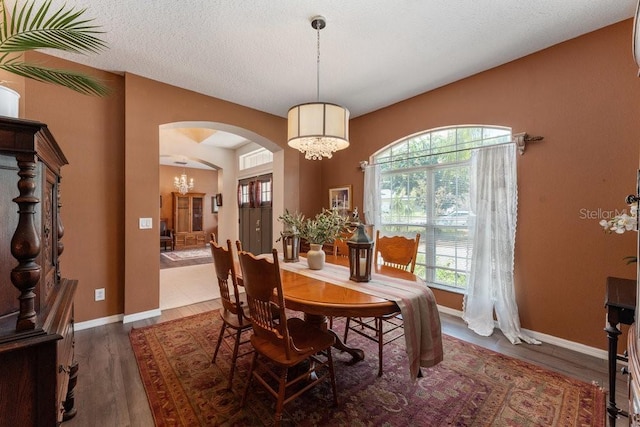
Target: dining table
x=321 y=294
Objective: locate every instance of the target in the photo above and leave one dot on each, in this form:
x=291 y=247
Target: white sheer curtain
x=371 y=197
x=494 y=197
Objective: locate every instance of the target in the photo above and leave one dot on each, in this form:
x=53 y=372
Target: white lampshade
x=318 y=129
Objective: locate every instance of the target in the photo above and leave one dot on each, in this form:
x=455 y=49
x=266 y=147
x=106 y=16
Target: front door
x=255 y=216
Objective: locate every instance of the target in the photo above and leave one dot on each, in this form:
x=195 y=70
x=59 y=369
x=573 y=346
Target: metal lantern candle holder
x=360 y=255
x=290 y=247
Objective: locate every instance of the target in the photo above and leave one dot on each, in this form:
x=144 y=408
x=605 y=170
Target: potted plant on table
x=327 y=226
x=29 y=27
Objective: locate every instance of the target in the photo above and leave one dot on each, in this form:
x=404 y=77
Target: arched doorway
x=197 y=146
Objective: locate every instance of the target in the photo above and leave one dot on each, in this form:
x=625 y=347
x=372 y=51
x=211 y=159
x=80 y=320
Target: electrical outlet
x=100 y=294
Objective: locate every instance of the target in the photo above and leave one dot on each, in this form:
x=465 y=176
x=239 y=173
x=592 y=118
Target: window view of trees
x=425 y=189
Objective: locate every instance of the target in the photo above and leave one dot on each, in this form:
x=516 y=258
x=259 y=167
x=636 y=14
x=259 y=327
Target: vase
x=315 y=257
x=9 y=102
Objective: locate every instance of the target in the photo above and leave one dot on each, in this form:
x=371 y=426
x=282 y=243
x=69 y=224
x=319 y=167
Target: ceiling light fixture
x=182 y=184
x=318 y=129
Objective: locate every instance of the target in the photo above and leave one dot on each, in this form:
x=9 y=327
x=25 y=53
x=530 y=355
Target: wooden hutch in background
x=39 y=371
x=188 y=220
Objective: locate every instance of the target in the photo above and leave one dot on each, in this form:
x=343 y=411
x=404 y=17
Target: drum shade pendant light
x=318 y=129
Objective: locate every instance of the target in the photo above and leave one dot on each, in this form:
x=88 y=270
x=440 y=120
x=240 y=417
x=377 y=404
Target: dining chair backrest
x=340 y=247
x=263 y=286
x=227 y=279
x=397 y=251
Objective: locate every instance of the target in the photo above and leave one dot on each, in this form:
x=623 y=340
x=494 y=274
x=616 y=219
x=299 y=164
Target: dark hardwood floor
x=110 y=393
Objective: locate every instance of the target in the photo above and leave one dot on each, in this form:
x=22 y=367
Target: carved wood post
x=25 y=244
x=60 y=232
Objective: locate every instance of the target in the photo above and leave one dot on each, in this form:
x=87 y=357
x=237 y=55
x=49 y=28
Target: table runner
x=417 y=304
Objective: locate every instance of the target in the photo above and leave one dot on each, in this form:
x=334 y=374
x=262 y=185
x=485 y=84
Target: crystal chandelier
x=182 y=185
x=318 y=129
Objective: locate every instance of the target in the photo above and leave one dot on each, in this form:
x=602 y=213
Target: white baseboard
x=117 y=318
x=451 y=311
x=98 y=322
x=142 y=315
x=561 y=342
x=549 y=339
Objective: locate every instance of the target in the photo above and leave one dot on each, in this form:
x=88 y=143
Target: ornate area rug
x=188 y=254
x=473 y=386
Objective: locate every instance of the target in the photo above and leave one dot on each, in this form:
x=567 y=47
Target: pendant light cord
x=318 y=65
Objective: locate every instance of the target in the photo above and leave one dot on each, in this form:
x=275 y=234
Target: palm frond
x=64 y=30
x=76 y=81
x=60 y=39
x=30 y=27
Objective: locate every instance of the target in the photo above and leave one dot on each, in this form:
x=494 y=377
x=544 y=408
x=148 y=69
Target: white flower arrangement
x=623 y=222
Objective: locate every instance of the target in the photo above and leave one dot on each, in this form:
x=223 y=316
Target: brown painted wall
x=90 y=131
x=100 y=234
x=149 y=104
x=583 y=96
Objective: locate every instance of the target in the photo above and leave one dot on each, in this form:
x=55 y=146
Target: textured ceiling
x=262 y=54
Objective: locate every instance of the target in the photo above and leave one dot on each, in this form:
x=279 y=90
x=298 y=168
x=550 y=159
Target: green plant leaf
x=327 y=226
x=69 y=79
x=30 y=27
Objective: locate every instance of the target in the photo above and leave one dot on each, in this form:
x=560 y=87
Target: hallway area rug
x=186 y=254
x=473 y=386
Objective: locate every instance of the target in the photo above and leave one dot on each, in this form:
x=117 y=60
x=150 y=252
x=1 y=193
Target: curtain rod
x=520 y=139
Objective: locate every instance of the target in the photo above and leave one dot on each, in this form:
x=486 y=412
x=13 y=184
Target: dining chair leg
x=254 y=360
x=215 y=353
x=234 y=357
x=346 y=329
x=332 y=376
x=281 y=393
x=380 y=344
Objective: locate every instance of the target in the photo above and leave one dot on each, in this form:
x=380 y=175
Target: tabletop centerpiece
x=327 y=226
x=290 y=235
x=360 y=254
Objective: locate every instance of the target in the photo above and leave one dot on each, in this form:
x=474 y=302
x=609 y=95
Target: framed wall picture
x=340 y=198
x=219 y=199
x=214 y=205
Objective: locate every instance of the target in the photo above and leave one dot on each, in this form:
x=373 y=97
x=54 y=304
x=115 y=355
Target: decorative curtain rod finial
x=521 y=140
x=363 y=165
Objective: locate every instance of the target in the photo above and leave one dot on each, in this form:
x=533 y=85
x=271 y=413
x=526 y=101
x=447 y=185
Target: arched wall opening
x=146 y=109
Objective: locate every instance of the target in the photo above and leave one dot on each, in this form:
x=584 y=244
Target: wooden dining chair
x=235 y=311
x=281 y=345
x=397 y=252
x=340 y=247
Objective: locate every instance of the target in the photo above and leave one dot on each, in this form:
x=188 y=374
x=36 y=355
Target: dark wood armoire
x=188 y=220
x=36 y=304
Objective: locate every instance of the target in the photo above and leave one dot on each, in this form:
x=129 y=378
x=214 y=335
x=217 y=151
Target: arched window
x=424 y=188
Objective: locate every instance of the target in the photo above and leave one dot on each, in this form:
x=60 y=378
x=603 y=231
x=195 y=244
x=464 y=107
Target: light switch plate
x=145 y=223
